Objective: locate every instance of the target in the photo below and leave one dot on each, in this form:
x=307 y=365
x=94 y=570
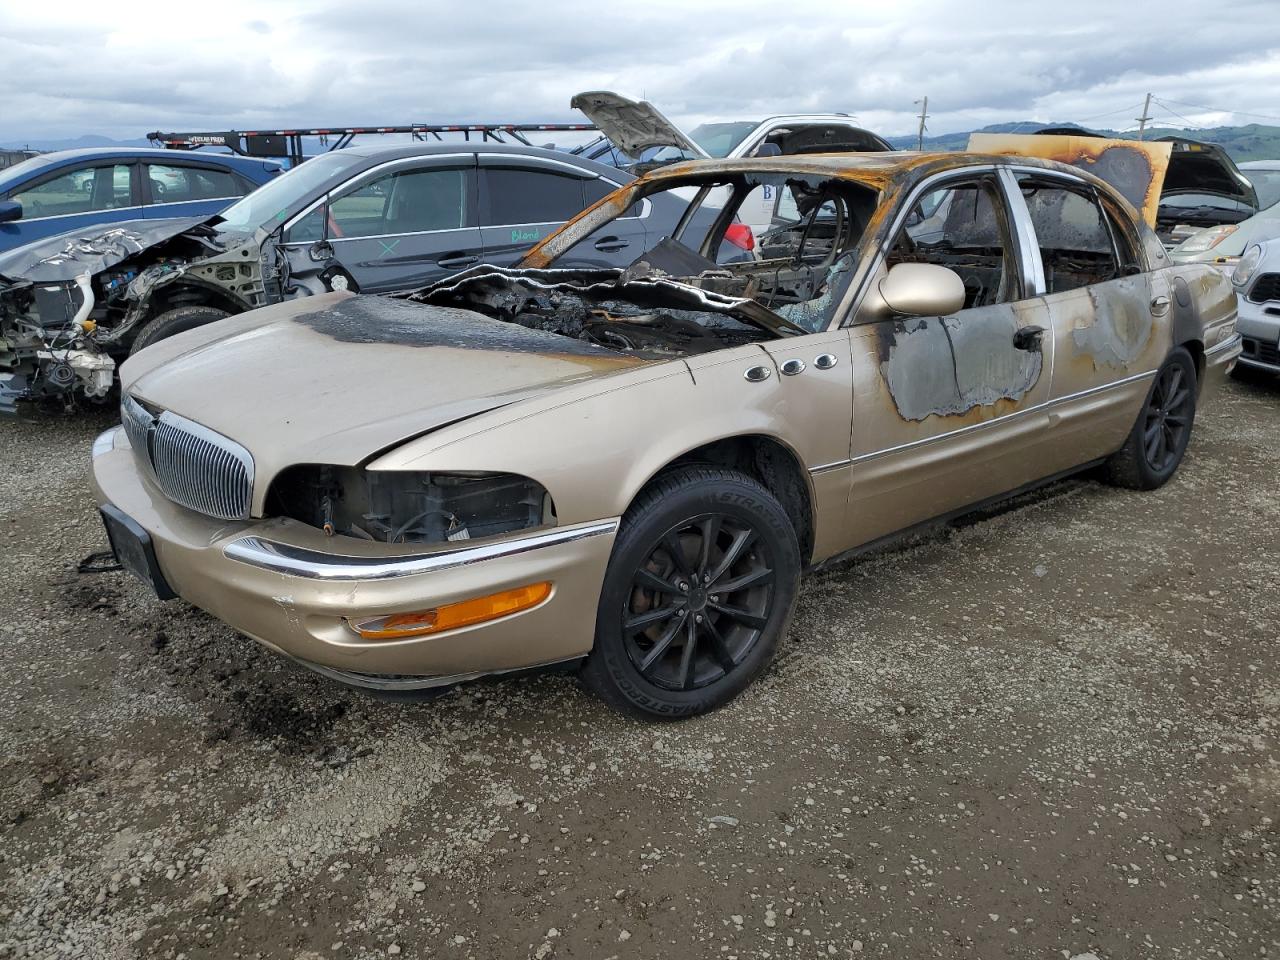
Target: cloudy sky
x=123 y=68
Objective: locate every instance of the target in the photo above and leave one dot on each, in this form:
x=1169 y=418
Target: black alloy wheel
x=1160 y=434
x=700 y=587
x=699 y=602
x=1170 y=410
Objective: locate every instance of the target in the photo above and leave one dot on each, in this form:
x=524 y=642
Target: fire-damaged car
x=624 y=471
x=364 y=219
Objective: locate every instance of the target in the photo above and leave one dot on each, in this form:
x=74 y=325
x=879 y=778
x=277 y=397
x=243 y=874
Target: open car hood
x=1198 y=167
x=338 y=378
x=632 y=126
x=66 y=256
x=1136 y=168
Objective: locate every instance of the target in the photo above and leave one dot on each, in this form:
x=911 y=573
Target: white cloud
x=125 y=68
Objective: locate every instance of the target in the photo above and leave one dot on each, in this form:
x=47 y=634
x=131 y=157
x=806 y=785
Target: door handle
x=1160 y=305
x=609 y=244
x=1028 y=338
x=457 y=260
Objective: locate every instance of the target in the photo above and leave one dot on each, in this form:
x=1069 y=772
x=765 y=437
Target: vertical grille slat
x=194 y=466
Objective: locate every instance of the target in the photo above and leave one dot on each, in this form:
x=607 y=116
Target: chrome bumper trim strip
x=1236 y=340
x=315 y=565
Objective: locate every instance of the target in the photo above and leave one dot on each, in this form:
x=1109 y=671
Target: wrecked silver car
x=362 y=219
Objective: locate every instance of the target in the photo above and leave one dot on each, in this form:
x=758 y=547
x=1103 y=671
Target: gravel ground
x=1051 y=731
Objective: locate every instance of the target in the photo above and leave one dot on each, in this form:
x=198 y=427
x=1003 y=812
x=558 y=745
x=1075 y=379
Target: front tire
x=1159 y=438
x=174 y=321
x=699 y=589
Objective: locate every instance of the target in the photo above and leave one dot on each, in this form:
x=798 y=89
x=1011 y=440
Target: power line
x=1110 y=113
x=1167 y=109
x=1242 y=113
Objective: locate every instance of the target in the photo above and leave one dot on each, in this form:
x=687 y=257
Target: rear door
x=523 y=199
x=189 y=189
x=395 y=227
x=1110 y=317
x=85 y=194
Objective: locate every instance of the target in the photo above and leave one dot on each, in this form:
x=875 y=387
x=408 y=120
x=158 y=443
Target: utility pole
x=924 y=115
x=1146 y=115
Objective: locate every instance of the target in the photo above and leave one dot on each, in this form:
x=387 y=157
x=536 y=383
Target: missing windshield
x=756 y=256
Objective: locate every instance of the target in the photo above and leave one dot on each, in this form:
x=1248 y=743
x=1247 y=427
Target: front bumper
x=1259 y=324
x=1218 y=361
x=290 y=587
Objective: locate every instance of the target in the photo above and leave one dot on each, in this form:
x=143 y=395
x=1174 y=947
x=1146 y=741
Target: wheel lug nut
x=714 y=598
x=698 y=618
x=683 y=587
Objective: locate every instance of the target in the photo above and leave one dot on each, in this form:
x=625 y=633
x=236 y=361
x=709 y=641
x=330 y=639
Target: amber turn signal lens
x=450 y=616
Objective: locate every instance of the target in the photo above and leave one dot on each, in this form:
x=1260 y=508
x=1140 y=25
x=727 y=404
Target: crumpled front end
x=71 y=306
x=48 y=343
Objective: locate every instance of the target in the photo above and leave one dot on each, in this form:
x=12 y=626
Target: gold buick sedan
x=626 y=471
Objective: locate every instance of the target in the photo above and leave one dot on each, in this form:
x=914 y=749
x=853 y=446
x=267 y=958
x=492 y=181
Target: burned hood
x=1197 y=167
x=338 y=378
x=66 y=256
x=633 y=126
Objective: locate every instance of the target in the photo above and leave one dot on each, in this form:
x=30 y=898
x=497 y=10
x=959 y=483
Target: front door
x=393 y=231
x=948 y=409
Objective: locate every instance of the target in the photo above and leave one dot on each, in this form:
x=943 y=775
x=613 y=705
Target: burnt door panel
x=1110 y=319
x=950 y=410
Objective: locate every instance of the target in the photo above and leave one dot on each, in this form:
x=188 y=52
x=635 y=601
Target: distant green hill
x=1253 y=142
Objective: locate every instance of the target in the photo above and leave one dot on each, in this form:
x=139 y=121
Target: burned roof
x=872 y=169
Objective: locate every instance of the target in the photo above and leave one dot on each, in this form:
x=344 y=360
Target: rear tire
x=174 y=321
x=1159 y=438
x=700 y=587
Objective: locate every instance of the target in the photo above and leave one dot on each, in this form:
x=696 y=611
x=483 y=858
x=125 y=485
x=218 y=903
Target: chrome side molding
x=296 y=561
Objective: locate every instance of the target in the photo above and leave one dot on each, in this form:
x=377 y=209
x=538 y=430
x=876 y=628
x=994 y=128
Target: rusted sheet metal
x=1134 y=168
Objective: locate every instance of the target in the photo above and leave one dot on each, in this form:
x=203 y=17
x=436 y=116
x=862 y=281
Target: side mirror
x=768 y=149
x=10 y=210
x=920 y=290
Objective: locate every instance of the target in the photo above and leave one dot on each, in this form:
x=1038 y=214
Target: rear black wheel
x=1155 y=446
x=700 y=588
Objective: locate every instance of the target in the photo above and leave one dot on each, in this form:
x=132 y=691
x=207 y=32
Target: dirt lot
x=1054 y=731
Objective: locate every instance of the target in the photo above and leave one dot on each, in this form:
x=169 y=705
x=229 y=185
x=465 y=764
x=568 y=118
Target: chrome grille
x=137 y=423
x=194 y=466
